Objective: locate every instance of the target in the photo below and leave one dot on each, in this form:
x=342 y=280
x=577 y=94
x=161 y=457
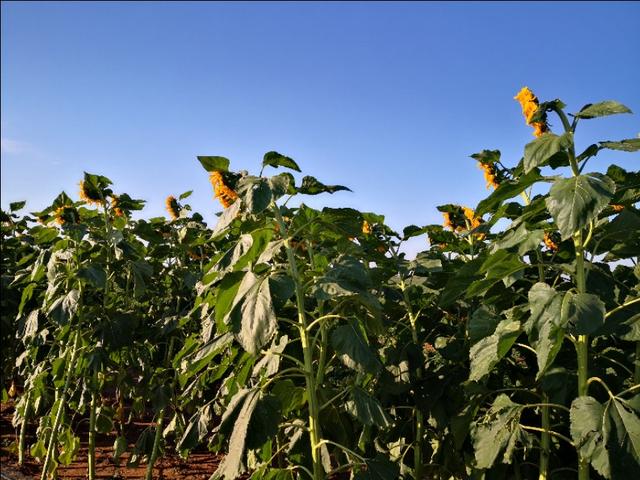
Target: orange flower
x=114 y=205
x=222 y=192
x=66 y=214
x=366 y=228
x=90 y=196
x=529 y=103
x=465 y=220
x=172 y=207
x=447 y=221
x=490 y=174
x=617 y=207
x=549 y=242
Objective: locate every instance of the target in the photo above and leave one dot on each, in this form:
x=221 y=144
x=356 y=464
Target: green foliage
x=303 y=343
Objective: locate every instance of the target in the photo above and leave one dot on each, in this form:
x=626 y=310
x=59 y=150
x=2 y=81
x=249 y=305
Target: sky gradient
x=389 y=99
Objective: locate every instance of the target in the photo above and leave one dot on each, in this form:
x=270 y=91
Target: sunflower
x=172 y=207
x=366 y=228
x=473 y=221
x=617 y=207
x=550 y=241
x=490 y=174
x=66 y=214
x=222 y=192
x=90 y=195
x=448 y=223
x=115 y=206
x=529 y=103
x=463 y=219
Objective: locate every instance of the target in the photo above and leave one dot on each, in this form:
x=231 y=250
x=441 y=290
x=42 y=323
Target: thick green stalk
x=23 y=428
x=545 y=439
x=61 y=406
x=636 y=374
x=156 y=445
x=92 y=425
x=314 y=424
x=582 y=343
x=582 y=346
x=419 y=418
x=155 y=450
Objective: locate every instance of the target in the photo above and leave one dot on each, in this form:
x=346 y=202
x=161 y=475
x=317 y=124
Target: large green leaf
x=367 y=409
x=521 y=237
x=602 y=109
x=543 y=148
x=498 y=266
x=483 y=323
x=213 y=164
x=506 y=190
x=195 y=430
x=258 y=195
x=378 y=468
x=276 y=160
x=233 y=463
x=353 y=349
x=498 y=431
x=628 y=145
x=574 y=202
x=545 y=327
x=608 y=435
x=584 y=312
x=312 y=186
x=258 y=321
x=486 y=353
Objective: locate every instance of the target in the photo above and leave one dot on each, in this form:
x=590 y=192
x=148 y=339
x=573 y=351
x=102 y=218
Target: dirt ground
x=200 y=465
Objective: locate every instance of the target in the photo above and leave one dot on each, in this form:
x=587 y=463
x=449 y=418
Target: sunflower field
x=296 y=343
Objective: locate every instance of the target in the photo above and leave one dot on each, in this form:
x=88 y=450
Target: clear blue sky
x=389 y=99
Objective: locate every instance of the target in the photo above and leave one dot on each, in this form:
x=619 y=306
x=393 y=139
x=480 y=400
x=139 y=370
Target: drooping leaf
x=94 y=275
x=378 y=468
x=537 y=152
x=312 y=186
x=508 y=189
x=258 y=321
x=483 y=323
x=498 y=266
x=584 y=312
x=486 y=353
x=276 y=160
x=601 y=109
x=15 y=206
x=628 y=145
x=196 y=429
x=499 y=431
x=234 y=463
x=213 y=164
x=258 y=195
x=607 y=435
x=367 y=409
x=353 y=349
x=574 y=202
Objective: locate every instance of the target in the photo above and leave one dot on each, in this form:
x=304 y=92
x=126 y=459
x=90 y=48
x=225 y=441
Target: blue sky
x=389 y=99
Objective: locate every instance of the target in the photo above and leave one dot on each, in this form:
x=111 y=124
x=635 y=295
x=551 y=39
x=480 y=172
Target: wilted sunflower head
x=529 y=103
x=221 y=190
x=89 y=194
x=491 y=174
x=551 y=240
x=67 y=214
x=115 y=206
x=172 y=207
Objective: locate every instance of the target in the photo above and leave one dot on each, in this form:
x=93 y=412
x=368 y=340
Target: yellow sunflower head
x=172 y=207
x=90 y=195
